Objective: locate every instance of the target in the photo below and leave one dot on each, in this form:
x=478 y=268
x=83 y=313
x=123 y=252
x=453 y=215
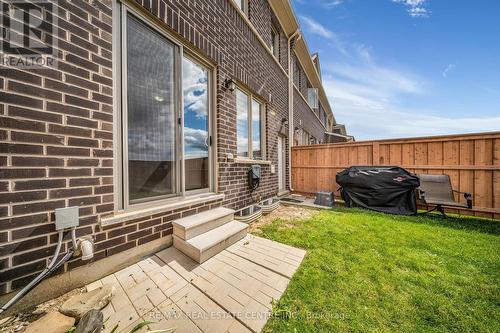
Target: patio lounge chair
x=436 y=190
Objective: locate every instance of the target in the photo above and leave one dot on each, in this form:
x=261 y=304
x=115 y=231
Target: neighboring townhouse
x=154 y=111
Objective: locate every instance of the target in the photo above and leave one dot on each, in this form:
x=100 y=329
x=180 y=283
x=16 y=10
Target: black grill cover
x=384 y=189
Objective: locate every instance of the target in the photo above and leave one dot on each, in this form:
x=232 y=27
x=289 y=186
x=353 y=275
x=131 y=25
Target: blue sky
x=401 y=68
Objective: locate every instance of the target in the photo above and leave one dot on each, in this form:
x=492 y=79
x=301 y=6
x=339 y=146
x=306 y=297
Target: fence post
x=376 y=153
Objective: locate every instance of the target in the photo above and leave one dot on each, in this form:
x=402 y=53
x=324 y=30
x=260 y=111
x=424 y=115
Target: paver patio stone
x=284 y=261
x=231 y=292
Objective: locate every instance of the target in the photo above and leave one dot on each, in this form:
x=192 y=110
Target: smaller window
x=296 y=73
x=242 y=4
x=256 y=130
x=275 y=42
x=243 y=126
x=249 y=129
x=312 y=97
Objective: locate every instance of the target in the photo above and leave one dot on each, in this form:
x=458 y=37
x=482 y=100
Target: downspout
x=290 y=106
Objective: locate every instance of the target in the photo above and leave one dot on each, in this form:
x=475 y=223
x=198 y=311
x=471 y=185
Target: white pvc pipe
x=87 y=249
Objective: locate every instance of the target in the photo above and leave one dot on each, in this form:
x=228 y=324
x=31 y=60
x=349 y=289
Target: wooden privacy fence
x=471 y=160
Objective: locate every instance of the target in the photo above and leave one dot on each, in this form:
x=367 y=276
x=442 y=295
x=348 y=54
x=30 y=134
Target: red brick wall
x=56 y=129
x=263 y=19
x=56 y=142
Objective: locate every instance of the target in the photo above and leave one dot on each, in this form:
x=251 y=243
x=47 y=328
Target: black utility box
x=324 y=199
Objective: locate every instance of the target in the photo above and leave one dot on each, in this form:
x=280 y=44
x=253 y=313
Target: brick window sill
x=160 y=207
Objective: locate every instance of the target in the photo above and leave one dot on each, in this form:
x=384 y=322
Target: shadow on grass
x=482 y=225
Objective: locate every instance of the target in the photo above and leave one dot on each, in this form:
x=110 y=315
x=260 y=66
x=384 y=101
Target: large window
x=250 y=113
x=165 y=116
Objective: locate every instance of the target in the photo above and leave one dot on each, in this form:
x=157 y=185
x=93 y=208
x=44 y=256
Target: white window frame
x=251 y=97
x=120 y=12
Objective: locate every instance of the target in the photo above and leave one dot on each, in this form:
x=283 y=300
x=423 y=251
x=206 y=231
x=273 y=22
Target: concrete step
x=205 y=246
x=195 y=225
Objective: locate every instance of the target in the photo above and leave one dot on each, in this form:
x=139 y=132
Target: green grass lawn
x=371 y=272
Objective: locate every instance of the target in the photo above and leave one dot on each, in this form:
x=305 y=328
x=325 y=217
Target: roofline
x=286 y=15
x=340 y=135
x=341 y=127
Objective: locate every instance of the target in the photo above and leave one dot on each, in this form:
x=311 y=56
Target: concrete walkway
x=231 y=292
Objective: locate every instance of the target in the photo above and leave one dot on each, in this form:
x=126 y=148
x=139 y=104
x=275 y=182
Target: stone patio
x=231 y=292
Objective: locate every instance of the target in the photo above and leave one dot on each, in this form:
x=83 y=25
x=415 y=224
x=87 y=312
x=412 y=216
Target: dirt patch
x=21 y=320
x=285 y=213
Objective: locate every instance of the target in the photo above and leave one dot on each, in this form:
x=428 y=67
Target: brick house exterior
x=59 y=137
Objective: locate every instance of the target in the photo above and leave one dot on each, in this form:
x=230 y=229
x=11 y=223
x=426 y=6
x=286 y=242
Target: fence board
x=471 y=160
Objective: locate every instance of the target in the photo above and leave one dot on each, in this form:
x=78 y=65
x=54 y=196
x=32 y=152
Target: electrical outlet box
x=256 y=170
x=273 y=169
x=68 y=217
x=254 y=176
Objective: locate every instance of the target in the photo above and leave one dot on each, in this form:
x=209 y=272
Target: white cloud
x=195 y=141
x=316 y=28
x=324 y=3
x=377 y=79
x=332 y=3
x=391 y=121
x=413 y=3
x=371 y=99
x=416 y=8
x=448 y=69
x=418 y=12
x=363 y=52
x=368 y=99
x=195 y=81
